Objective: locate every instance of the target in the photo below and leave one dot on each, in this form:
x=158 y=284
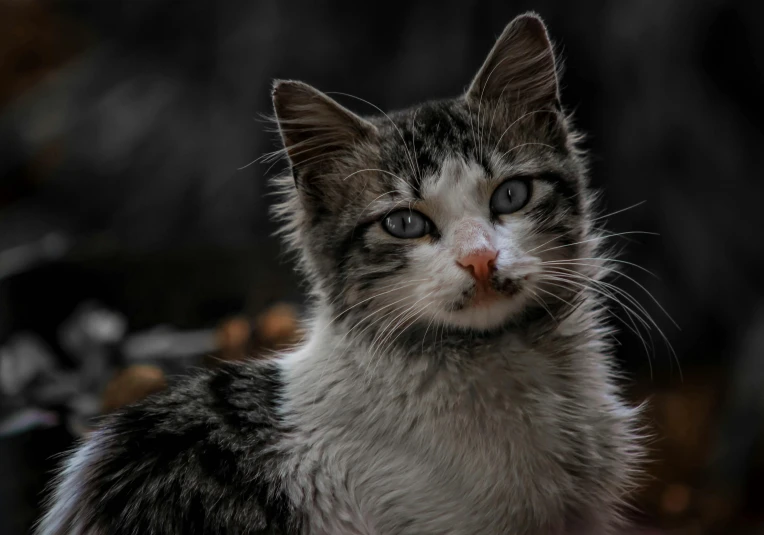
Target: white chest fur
x=506 y=442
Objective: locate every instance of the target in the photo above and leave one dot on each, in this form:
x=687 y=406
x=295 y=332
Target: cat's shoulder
x=236 y=400
x=197 y=458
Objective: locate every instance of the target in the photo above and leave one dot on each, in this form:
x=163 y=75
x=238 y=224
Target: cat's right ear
x=520 y=69
x=317 y=132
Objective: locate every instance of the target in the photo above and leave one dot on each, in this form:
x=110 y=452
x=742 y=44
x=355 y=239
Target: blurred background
x=135 y=242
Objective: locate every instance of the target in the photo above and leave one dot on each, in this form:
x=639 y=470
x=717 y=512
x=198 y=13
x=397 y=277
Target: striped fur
x=412 y=407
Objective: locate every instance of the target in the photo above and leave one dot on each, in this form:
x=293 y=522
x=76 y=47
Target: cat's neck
x=347 y=342
x=333 y=366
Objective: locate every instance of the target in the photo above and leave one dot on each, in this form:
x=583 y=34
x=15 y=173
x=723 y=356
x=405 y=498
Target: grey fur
x=409 y=409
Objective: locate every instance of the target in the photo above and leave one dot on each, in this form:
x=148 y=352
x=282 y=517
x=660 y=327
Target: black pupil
x=509 y=193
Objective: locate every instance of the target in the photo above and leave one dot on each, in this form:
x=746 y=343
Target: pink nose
x=481 y=264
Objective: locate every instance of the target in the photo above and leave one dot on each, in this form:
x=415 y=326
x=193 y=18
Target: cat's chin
x=486 y=314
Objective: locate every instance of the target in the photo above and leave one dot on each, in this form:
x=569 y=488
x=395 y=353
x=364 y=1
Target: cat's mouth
x=485 y=295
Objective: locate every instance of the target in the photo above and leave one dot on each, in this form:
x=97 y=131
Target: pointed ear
x=314 y=128
x=520 y=68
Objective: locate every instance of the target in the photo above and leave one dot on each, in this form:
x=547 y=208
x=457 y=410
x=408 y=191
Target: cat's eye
x=510 y=196
x=407 y=224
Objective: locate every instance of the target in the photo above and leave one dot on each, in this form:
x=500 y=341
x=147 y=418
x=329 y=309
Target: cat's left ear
x=315 y=129
x=520 y=69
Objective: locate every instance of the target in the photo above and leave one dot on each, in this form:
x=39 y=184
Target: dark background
x=124 y=126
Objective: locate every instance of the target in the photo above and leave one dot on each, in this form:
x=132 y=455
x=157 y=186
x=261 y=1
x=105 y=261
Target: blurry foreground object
x=111 y=368
x=240 y=338
x=236 y=339
x=132 y=385
x=278 y=327
x=707 y=460
x=233 y=336
x=36 y=381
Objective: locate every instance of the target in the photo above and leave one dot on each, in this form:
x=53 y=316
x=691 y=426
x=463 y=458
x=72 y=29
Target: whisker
x=556 y=296
x=371 y=169
x=472 y=127
x=413 y=143
x=596 y=238
x=409 y=317
x=547 y=242
x=630 y=313
x=536 y=298
x=424 y=336
x=405 y=147
x=640 y=203
x=599 y=285
x=383 y=340
x=372 y=202
x=605 y=261
x=521 y=145
x=480 y=101
x=360 y=322
x=493 y=115
x=398 y=286
x=649 y=294
x=604 y=293
x=636 y=303
x=518 y=120
x=443 y=331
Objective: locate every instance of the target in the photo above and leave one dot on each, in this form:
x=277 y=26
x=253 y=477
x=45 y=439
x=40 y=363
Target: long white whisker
x=381 y=340
x=521 y=145
x=372 y=202
x=536 y=298
x=443 y=331
x=399 y=286
x=573 y=261
x=650 y=295
x=377 y=170
x=413 y=144
x=518 y=120
x=480 y=102
x=602 y=285
x=411 y=316
x=640 y=203
x=630 y=313
x=424 y=337
x=596 y=238
x=600 y=291
x=556 y=297
x=636 y=303
x=403 y=140
x=493 y=115
x=472 y=126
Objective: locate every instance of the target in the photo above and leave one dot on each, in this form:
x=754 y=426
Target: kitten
x=456 y=377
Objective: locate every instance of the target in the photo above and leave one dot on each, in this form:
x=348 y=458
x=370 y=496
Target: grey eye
x=510 y=196
x=407 y=224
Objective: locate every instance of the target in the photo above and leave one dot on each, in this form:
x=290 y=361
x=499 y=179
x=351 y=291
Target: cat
x=456 y=375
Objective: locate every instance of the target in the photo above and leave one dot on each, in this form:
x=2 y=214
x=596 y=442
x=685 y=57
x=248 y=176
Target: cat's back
x=198 y=458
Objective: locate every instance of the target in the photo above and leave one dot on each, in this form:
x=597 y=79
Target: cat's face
x=450 y=213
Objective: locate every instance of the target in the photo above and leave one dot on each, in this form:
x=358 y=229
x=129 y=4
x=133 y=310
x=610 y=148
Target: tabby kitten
x=455 y=378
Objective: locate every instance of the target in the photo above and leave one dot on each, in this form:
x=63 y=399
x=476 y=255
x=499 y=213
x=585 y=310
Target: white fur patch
x=457 y=201
x=61 y=517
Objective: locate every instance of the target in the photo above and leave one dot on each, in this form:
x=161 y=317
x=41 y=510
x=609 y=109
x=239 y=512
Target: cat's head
x=448 y=213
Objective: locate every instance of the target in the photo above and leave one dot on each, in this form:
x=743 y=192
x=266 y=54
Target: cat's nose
x=481 y=264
